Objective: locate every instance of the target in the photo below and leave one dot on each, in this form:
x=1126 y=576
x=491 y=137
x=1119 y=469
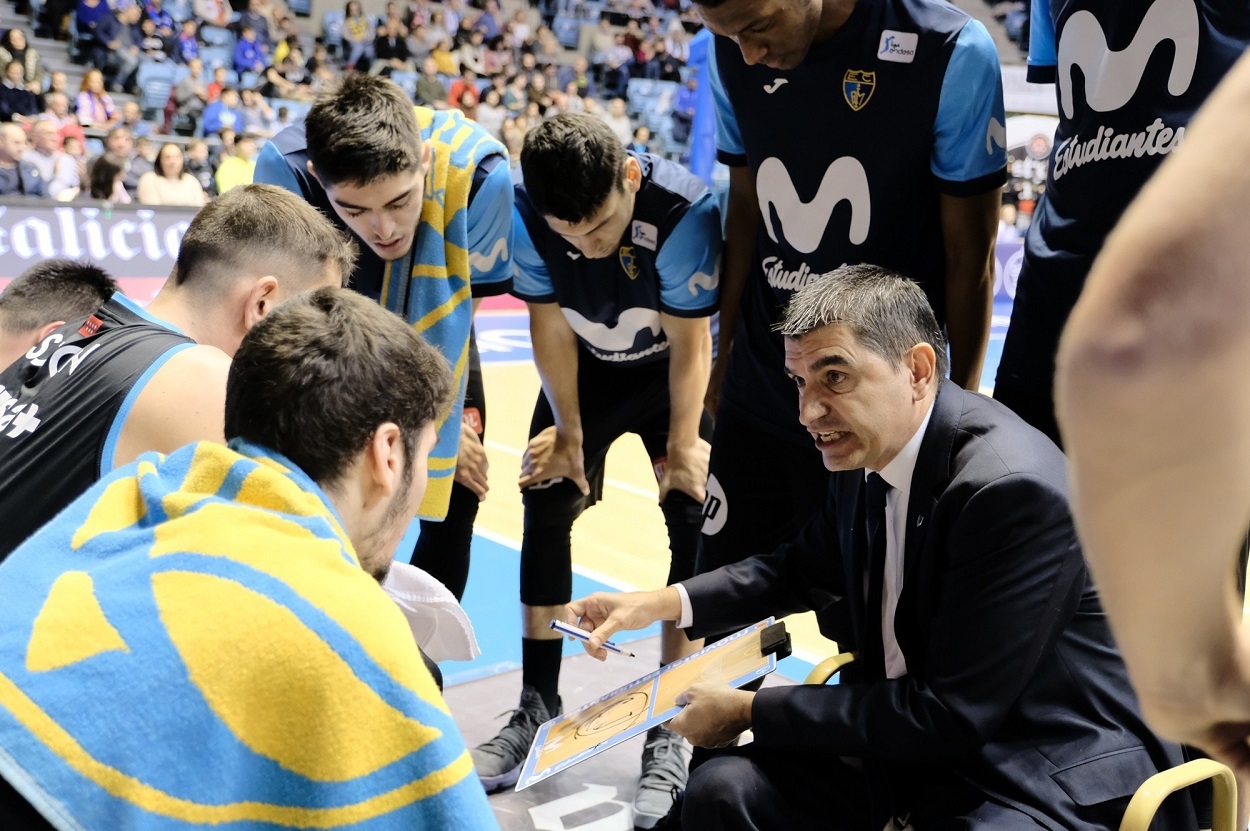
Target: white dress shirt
x=898 y=475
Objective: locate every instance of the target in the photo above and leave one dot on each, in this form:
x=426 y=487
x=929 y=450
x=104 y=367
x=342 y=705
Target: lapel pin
x=919 y=521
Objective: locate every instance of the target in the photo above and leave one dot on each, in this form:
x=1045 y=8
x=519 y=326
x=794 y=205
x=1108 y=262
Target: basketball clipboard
x=638 y=706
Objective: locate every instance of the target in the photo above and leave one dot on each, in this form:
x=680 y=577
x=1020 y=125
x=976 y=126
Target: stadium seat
x=214 y=36
x=156 y=82
x=249 y=80
x=215 y=56
x=407 y=82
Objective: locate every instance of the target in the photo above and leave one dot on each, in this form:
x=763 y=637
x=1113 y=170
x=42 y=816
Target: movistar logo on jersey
x=1111 y=78
x=618 y=338
x=857 y=87
x=897 y=47
x=802 y=225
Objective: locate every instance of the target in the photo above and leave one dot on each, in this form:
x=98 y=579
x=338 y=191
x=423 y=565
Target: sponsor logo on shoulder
x=646 y=235
x=897 y=47
x=90 y=326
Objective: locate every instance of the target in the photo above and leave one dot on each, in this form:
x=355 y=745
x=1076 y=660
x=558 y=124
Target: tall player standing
x=855 y=131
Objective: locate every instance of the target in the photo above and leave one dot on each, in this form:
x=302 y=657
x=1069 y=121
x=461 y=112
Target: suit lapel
x=932 y=473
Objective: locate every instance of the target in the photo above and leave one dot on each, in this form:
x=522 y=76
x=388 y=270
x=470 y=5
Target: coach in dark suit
x=989 y=693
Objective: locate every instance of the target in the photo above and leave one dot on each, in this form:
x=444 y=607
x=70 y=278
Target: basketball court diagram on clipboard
x=640 y=705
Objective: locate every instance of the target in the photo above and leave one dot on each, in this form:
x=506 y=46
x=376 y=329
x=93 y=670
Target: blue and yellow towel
x=192 y=643
x=436 y=298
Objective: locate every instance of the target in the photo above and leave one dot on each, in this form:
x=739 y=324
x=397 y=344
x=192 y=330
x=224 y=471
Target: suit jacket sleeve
x=1011 y=582
x=803 y=574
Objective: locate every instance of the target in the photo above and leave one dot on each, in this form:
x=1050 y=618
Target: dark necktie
x=874 y=523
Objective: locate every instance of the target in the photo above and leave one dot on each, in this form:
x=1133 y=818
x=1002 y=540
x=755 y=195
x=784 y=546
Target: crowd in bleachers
x=218 y=82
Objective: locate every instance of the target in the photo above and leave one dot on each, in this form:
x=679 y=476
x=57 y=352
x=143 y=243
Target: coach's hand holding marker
x=573 y=632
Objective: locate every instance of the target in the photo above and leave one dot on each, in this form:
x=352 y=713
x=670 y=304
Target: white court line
x=615 y=483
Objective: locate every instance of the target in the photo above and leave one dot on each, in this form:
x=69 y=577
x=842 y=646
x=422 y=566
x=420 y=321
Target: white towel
x=438 y=623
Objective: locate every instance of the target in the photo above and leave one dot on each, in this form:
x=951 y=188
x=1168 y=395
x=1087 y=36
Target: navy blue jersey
x=668 y=262
x=1129 y=77
x=63 y=405
x=851 y=152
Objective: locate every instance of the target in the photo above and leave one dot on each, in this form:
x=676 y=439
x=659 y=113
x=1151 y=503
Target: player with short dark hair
x=364 y=155
x=123 y=380
x=43 y=297
x=618 y=259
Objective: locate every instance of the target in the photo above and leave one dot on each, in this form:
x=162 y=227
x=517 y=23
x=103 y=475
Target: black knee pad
x=684 y=518
x=546 y=551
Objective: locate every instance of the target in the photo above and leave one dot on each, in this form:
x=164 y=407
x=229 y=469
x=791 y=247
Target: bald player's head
x=45 y=296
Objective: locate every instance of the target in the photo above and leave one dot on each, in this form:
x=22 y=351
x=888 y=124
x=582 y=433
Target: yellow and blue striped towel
x=192 y=643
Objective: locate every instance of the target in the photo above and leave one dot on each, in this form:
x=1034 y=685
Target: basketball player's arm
x=689 y=362
x=969 y=224
x=556 y=451
x=1155 y=414
x=742 y=220
x=970 y=164
x=183 y=402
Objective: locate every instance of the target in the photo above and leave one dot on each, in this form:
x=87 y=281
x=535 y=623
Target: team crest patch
x=629 y=262
x=857 y=87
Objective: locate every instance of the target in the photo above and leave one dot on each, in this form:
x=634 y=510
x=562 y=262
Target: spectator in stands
x=120 y=142
x=170 y=183
x=394 y=19
x=488 y=22
x=572 y=102
x=15 y=48
x=152 y=45
x=240 y=167
x=156 y=12
x=289 y=80
x=191 y=93
x=221 y=76
x=436 y=30
x=43 y=297
x=547 y=48
x=105 y=180
x=634 y=37
x=390 y=50
x=17 y=176
x=58 y=81
x=616 y=68
x=357 y=35
x=215 y=13
x=472 y=54
x=677 y=41
x=529 y=65
x=132 y=119
x=95 y=106
x=640 y=143
x=225 y=148
x=88 y=15
x=417 y=14
x=284 y=47
x=249 y=53
x=123 y=40
x=17 y=103
x=490 y=112
x=319 y=61
x=668 y=67
x=537 y=93
x=254 y=18
x=460 y=36
x=517 y=94
x=445 y=59
x=58 y=112
x=519 y=26
x=618 y=119
x=601 y=44
x=454 y=12
x=258 y=116
x=1008 y=231
x=283 y=119
x=59 y=171
x=187 y=47
x=198 y=165
x=430 y=89
x=224 y=112
x=683 y=110
x=465 y=85
x=578 y=73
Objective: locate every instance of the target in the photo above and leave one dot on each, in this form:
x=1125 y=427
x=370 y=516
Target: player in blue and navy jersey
x=1129 y=77
x=617 y=255
x=364 y=159
x=856 y=131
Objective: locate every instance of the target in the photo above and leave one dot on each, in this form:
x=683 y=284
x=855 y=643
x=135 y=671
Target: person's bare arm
x=969 y=224
x=690 y=360
x=184 y=402
x=1156 y=418
x=556 y=451
x=742 y=220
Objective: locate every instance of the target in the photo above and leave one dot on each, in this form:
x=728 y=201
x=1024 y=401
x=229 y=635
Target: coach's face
x=859 y=410
x=776 y=33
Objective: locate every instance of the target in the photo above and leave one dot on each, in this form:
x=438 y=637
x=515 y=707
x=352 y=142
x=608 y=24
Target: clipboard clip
x=775 y=640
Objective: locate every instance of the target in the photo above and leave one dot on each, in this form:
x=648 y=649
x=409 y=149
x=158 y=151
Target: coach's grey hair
x=887 y=313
